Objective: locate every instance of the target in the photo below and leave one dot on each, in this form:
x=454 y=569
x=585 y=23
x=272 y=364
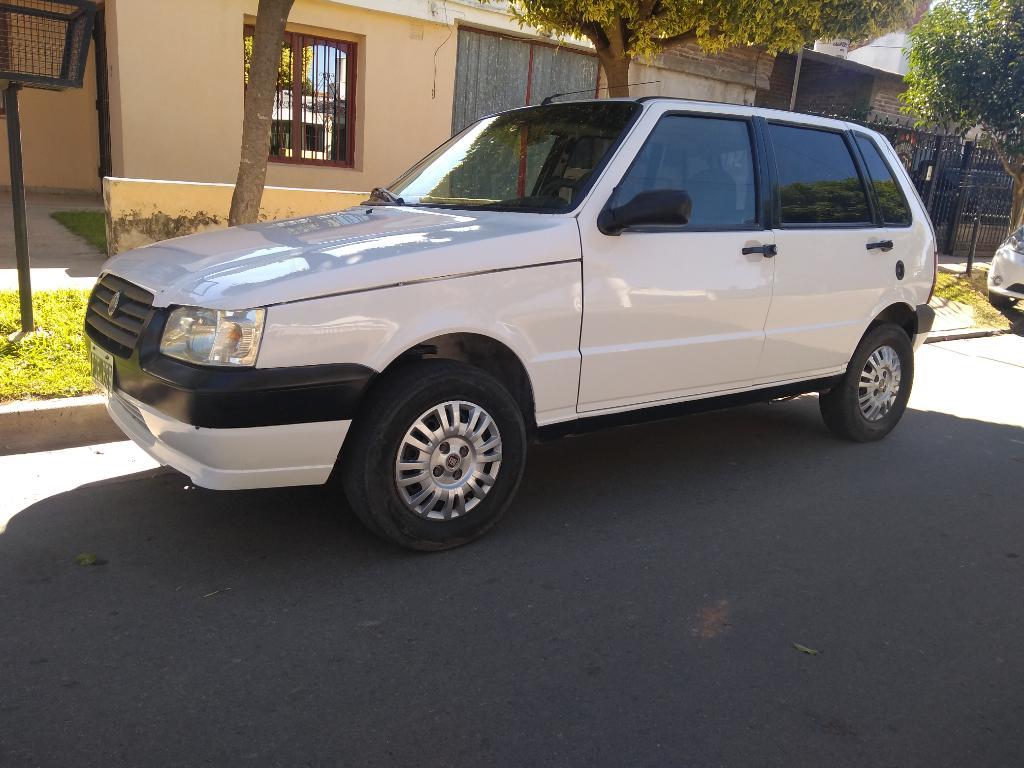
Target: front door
x=673 y=312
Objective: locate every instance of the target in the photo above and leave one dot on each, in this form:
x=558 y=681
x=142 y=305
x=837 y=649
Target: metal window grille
x=45 y=42
x=313 y=116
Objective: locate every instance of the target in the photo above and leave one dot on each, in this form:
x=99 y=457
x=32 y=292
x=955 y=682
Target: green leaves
x=967 y=68
x=639 y=28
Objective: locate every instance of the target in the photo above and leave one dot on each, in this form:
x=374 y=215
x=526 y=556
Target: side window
x=895 y=210
x=818 y=181
x=710 y=158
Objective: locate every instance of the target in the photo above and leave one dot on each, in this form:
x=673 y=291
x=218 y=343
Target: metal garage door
x=494 y=73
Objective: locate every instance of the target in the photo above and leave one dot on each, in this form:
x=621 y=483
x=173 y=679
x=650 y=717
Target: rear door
x=830 y=272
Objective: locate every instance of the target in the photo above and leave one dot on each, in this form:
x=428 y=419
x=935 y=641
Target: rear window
x=895 y=211
x=818 y=180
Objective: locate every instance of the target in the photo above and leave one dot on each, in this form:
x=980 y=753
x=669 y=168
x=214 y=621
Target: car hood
x=353 y=250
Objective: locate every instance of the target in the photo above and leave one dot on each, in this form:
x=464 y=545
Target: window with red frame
x=313 y=107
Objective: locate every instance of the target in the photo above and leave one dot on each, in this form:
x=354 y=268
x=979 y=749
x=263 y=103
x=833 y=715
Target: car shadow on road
x=616 y=480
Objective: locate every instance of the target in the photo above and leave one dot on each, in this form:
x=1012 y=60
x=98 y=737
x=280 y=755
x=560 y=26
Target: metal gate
x=494 y=73
x=964 y=186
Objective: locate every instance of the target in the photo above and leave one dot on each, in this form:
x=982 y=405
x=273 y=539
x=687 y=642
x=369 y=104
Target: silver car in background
x=1006 y=275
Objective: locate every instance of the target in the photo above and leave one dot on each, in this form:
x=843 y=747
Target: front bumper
x=231 y=459
x=223 y=427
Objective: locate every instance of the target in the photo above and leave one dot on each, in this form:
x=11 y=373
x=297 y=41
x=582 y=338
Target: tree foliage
x=967 y=69
x=622 y=30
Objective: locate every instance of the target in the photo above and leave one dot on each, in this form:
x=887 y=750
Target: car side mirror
x=656 y=206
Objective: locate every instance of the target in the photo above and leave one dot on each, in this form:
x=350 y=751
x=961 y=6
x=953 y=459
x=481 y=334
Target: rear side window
x=895 y=211
x=818 y=180
x=710 y=158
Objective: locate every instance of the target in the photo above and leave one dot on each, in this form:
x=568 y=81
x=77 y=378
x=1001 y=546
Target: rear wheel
x=870 y=399
x=999 y=301
x=436 y=455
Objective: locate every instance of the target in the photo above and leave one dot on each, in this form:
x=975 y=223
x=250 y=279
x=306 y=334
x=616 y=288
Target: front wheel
x=436 y=455
x=870 y=399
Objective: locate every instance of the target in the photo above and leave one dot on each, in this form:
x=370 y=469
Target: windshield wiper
x=383 y=196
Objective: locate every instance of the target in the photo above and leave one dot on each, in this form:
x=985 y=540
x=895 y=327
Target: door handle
x=765 y=250
x=882 y=245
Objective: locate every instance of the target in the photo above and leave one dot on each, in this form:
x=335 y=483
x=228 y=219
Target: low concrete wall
x=143 y=211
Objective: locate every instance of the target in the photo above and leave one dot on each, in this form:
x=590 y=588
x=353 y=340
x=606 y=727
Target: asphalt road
x=639 y=606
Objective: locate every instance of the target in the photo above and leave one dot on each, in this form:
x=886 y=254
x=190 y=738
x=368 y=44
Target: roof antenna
x=553 y=96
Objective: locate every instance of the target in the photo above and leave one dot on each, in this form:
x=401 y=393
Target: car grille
x=1016 y=288
x=118 y=331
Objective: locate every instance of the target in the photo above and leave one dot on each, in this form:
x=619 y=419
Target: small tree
x=261 y=85
x=967 y=68
x=622 y=30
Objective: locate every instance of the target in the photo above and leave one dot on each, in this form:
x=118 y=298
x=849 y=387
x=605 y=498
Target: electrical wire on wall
x=433 y=87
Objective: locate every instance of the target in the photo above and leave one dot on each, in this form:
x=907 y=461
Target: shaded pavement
x=59 y=259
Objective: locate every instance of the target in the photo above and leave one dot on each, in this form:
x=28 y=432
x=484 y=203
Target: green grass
x=88 y=224
x=53 y=362
x=972 y=291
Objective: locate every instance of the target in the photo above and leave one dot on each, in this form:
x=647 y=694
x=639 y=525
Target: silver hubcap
x=879 y=383
x=448 y=460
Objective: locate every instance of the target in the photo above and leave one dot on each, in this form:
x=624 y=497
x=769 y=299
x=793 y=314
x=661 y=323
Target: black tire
x=371 y=449
x=999 y=301
x=840 y=407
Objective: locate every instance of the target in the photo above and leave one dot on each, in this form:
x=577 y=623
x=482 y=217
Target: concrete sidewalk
x=59 y=259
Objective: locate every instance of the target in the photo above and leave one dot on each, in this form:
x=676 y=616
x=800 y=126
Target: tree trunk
x=259 y=106
x=1017 y=210
x=1014 y=165
x=616 y=72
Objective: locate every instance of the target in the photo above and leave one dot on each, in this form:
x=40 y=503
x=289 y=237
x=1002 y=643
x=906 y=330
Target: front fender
x=535 y=311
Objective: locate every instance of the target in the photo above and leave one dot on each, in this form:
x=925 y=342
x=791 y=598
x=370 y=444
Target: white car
x=547 y=271
x=1006 y=275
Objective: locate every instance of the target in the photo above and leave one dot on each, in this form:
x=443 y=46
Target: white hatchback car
x=1006 y=274
x=548 y=270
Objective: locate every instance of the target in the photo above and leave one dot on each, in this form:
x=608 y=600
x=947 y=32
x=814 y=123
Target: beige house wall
x=142 y=211
x=177 y=90
x=59 y=137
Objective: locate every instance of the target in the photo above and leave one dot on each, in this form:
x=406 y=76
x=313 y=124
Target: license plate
x=102 y=364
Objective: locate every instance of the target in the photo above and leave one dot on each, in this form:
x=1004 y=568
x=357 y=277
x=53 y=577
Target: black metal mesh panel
x=45 y=42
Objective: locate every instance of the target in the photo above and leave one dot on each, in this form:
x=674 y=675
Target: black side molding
x=250 y=397
x=586 y=424
x=925 y=318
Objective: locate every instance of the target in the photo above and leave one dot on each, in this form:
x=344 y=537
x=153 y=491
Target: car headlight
x=1016 y=241
x=213 y=336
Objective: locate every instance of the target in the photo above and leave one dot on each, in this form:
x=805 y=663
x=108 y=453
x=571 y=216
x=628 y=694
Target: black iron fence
x=967 y=192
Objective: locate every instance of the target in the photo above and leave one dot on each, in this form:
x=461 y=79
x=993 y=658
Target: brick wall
x=749 y=66
x=836 y=89
x=885 y=100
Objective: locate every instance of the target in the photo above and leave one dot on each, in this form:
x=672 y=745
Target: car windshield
x=535 y=159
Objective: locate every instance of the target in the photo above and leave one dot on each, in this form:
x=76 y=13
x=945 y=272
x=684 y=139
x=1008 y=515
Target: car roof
x=698 y=105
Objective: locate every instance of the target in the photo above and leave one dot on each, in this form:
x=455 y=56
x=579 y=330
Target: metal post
x=796 y=79
x=974 y=243
x=934 y=182
x=965 y=181
x=18 y=200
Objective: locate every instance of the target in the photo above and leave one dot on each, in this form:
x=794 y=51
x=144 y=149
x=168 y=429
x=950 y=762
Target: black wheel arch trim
x=925 y=319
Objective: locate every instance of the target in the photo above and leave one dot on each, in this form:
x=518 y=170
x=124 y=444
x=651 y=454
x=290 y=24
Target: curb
x=28 y=426
x=967 y=333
